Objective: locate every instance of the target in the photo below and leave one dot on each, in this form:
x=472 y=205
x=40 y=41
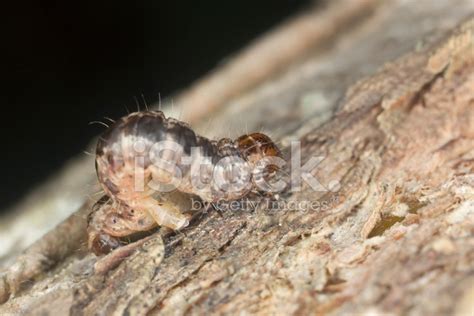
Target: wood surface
x=384 y=92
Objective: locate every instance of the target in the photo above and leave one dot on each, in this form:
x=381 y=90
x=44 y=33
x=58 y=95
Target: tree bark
x=387 y=99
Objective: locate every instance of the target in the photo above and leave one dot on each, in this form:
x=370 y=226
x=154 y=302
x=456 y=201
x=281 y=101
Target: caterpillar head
x=261 y=153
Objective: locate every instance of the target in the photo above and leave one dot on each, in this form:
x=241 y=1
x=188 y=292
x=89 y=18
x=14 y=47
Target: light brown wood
x=389 y=104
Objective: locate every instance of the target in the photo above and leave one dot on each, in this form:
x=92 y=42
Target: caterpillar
x=148 y=165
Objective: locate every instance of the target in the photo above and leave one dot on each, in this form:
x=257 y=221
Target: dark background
x=70 y=63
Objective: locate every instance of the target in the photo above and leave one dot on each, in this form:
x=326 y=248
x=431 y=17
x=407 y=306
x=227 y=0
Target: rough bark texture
x=387 y=97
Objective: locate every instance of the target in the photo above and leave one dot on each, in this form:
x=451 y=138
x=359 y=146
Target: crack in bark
x=188 y=278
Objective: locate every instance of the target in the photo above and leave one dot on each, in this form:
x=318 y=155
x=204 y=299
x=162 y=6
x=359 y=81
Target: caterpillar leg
x=165 y=213
x=110 y=221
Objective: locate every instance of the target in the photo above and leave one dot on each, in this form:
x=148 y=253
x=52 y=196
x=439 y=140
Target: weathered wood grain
x=389 y=104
